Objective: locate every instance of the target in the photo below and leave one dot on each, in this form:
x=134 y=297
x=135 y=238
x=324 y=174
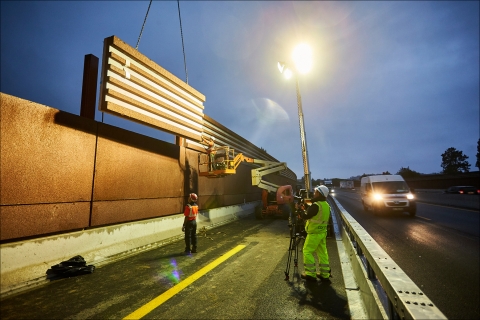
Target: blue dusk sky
x=393 y=83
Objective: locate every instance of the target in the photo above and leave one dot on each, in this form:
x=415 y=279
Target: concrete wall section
x=443 y=181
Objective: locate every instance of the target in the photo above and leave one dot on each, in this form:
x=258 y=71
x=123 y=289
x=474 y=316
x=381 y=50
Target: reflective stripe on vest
x=193 y=212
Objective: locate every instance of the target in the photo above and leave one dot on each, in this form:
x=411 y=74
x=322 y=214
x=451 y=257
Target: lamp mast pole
x=303 y=139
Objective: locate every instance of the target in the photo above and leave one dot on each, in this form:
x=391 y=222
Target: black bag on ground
x=71 y=267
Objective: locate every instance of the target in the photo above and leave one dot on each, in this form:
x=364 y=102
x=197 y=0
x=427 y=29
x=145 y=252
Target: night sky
x=393 y=84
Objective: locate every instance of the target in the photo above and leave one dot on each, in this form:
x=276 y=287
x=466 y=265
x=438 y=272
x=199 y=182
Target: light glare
x=377 y=196
x=288 y=73
x=302 y=57
x=282 y=67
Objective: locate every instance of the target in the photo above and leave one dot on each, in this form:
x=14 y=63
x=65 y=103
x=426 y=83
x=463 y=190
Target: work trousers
x=316 y=243
x=190 y=234
x=212 y=161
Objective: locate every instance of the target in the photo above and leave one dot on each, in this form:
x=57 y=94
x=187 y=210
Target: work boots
x=325 y=280
x=188 y=251
x=307 y=277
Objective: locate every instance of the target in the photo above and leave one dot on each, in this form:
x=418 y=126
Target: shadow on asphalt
x=321 y=296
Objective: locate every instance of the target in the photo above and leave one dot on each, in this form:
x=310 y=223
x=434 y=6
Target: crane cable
x=183 y=47
x=144 y=21
x=181 y=34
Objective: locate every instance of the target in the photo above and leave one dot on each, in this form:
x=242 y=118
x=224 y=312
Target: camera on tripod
x=301 y=202
x=298 y=224
x=300 y=196
x=297 y=230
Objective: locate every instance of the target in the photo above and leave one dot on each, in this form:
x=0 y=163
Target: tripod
x=296 y=235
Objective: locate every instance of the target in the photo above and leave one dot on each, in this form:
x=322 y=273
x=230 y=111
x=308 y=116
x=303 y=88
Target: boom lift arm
x=267 y=167
x=226 y=163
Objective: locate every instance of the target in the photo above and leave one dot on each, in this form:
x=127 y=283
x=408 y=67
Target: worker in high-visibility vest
x=190 y=224
x=316 y=222
x=210 y=150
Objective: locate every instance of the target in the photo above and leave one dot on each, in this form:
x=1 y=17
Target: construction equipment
x=297 y=234
x=276 y=200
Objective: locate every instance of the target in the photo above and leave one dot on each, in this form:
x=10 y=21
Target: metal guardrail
x=373 y=266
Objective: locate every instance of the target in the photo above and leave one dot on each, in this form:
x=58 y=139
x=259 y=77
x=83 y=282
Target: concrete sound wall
x=61 y=173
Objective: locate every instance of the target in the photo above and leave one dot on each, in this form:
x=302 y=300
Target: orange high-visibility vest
x=191 y=212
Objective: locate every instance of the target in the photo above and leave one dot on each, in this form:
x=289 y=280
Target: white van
x=387 y=193
x=329 y=185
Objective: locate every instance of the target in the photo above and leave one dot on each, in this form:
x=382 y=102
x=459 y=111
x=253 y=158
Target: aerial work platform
x=225 y=163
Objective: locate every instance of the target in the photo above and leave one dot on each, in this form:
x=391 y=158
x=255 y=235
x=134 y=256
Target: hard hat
x=323 y=190
x=193 y=197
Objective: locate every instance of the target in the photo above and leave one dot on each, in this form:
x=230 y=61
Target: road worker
x=210 y=150
x=190 y=224
x=316 y=217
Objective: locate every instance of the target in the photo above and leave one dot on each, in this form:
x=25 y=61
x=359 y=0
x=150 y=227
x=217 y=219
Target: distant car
x=463 y=190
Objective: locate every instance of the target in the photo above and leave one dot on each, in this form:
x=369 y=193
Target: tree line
x=453 y=161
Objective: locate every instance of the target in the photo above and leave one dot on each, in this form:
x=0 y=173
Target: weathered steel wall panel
x=133 y=166
x=111 y=212
x=44 y=159
x=53 y=163
x=39 y=219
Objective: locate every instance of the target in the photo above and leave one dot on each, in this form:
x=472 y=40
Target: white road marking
x=423 y=218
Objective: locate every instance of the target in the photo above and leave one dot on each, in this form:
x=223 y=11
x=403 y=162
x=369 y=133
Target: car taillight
x=461 y=191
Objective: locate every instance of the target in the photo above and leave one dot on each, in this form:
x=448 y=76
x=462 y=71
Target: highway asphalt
x=438 y=249
x=250 y=284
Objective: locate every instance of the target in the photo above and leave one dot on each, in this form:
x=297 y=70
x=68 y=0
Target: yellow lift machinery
x=276 y=200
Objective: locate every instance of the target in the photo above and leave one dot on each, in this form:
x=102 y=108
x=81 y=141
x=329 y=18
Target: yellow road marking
x=147 y=308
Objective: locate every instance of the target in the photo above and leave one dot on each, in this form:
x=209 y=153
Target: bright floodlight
x=302 y=56
x=287 y=73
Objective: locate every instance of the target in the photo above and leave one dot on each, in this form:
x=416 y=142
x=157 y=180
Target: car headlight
x=410 y=196
x=377 y=196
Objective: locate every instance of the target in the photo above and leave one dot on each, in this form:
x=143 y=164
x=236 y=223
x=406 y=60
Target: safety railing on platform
x=387 y=291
